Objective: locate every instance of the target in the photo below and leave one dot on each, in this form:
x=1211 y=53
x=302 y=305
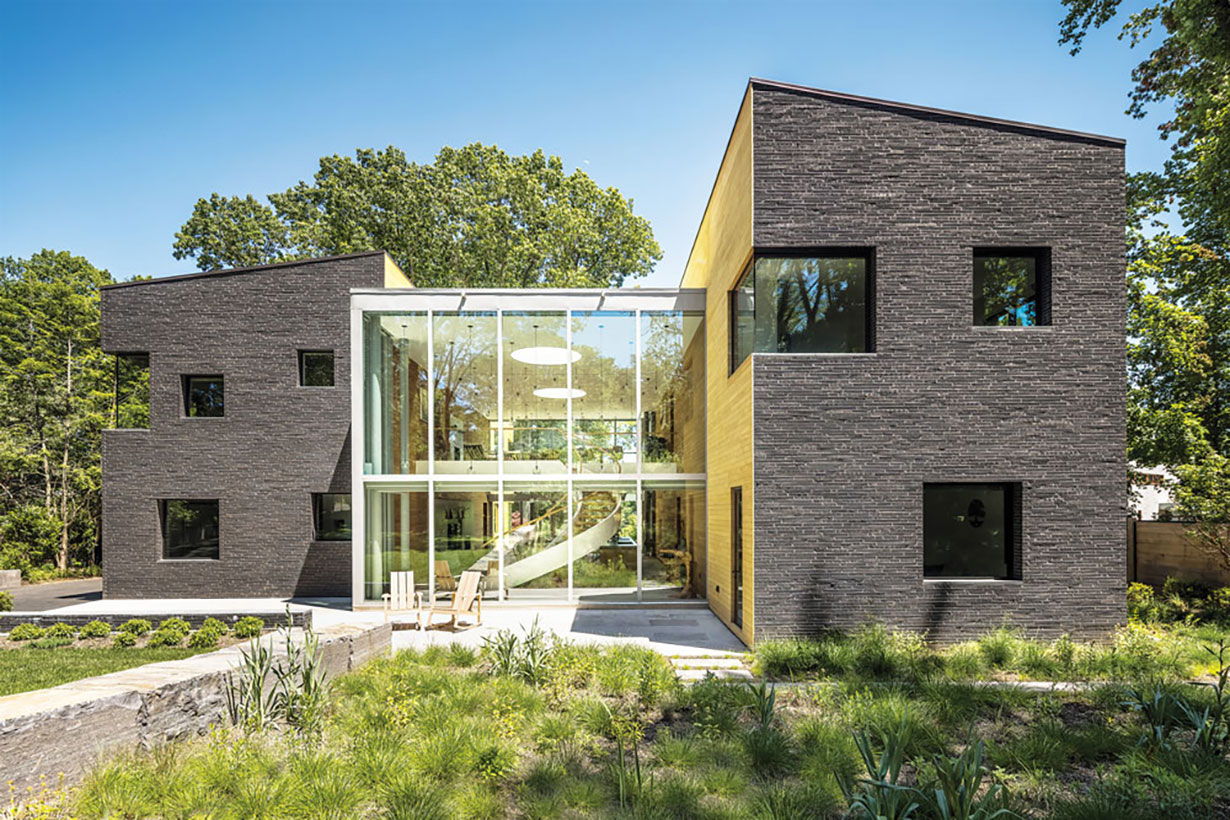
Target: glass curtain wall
x=543 y=445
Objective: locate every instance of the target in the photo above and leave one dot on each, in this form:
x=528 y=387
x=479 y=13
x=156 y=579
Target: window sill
x=1013 y=328
x=188 y=560
x=998 y=581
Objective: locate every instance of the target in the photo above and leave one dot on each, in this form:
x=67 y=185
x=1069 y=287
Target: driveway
x=55 y=594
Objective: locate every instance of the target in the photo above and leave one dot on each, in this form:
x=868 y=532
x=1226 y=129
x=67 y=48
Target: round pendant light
x=559 y=393
x=544 y=355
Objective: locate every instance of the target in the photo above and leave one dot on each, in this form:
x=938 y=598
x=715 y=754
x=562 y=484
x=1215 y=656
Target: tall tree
x=54 y=398
x=475 y=217
x=1179 y=283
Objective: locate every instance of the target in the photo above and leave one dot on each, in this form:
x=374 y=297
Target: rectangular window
x=1012 y=287
x=331 y=512
x=189 y=529
x=971 y=531
x=131 y=399
x=315 y=368
x=813 y=301
x=203 y=396
x=742 y=319
x=736 y=555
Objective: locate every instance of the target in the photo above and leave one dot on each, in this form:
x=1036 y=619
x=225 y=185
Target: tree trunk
x=62 y=558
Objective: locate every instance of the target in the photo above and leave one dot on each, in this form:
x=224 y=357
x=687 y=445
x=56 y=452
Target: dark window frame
x=736 y=556
x=185 y=391
x=1043 y=291
x=865 y=252
x=162 y=528
x=317 y=509
x=1013 y=504
x=305 y=352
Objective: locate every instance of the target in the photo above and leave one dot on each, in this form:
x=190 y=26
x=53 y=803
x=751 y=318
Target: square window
x=971 y=531
x=203 y=396
x=189 y=529
x=315 y=368
x=331 y=512
x=1012 y=287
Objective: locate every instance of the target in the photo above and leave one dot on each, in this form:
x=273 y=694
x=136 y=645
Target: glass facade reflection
x=560 y=453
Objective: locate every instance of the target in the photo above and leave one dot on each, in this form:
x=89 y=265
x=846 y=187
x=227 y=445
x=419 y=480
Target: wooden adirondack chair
x=467 y=600
x=445 y=582
x=401 y=595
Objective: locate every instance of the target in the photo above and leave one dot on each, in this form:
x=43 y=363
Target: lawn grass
x=27 y=669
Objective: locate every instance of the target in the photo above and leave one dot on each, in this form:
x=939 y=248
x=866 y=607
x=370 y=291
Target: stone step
x=693 y=675
x=707 y=663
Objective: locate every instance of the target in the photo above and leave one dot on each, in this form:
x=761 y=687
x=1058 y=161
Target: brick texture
x=844 y=443
x=277 y=444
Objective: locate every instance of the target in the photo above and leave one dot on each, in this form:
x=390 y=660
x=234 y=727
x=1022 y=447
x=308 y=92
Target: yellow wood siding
x=721 y=251
x=393 y=276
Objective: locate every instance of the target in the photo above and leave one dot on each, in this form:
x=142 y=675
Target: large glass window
x=203 y=396
x=815 y=302
x=395 y=539
x=535 y=424
x=604 y=540
x=969 y=530
x=395 y=393
x=464 y=371
x=465 y=521
x=604 y=392
x=672 y=392
x=533 y=536
x=132 y=390
x=1012 y=287
x=331 y=512
x=189 y=529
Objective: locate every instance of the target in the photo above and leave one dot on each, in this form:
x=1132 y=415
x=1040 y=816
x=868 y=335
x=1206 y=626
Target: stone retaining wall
x=67 y=729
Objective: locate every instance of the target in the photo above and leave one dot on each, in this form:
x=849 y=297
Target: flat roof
x=975 y=119
x=253 y=269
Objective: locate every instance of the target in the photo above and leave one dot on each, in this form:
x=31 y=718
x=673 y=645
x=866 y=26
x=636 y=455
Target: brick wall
x=277 y=444
x=843 y=444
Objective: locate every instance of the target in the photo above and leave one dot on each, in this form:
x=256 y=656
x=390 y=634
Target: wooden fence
x=1157 y=550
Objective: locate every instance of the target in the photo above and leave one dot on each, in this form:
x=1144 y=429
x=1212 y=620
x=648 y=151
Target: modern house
x=890 y=386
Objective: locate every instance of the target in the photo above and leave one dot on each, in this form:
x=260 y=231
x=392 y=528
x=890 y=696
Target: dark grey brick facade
x=277 y=444
x=844 y=443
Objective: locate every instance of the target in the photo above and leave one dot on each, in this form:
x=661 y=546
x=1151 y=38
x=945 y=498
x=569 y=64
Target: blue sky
x=117 y=116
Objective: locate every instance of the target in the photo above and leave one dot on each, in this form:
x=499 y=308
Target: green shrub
x=123 y=640
x=176 y=625
x=999 y=648
x=202 y=639
x=136 y=627
x=1141 y=604
x=26 y=632
x=96 y=629
x=213 y=625
x=248 y=627
x=53 y=642
x=6 y=602
x=166 y=637
x=61 y=630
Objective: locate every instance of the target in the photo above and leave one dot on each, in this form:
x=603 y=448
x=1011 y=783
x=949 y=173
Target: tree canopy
x=475 y=217
x=1179 y=281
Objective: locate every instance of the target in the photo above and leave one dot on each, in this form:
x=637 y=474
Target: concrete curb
x=68 y=728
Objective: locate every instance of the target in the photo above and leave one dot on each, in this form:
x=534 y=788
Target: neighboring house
x=890 y=386
x=1152 y=493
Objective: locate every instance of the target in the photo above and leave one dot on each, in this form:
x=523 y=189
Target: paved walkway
x=685 y=632
x=56 y=594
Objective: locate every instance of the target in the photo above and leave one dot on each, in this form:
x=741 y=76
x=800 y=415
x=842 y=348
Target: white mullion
x=498 y=527
x=640 y=538
x=431 y=539
x=357 y=450
x=431 y=456
x=569 y=441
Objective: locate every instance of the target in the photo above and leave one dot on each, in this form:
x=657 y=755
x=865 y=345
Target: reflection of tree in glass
x=1004 y=291
x=664 y=376
x=132 y=391
x=819 y=304
x=464 y=379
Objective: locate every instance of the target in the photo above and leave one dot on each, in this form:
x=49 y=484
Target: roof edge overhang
x=974 y=119
x=236 y=271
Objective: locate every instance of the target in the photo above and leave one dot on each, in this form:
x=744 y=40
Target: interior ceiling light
x=544 y=355
x=559 y=393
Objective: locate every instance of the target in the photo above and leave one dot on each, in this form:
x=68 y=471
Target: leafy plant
x=124 y=640
x=6 y=601
x=203 y=639
x=877 y=795
x=955 y=790
x=53 y=642
x=248 y=626
x=61 y=630
x=166 y=637
x=26 y=632
x=176 y=625
x=136 y=627
x=213 y=625
x=96 y=629
x=266 y=690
